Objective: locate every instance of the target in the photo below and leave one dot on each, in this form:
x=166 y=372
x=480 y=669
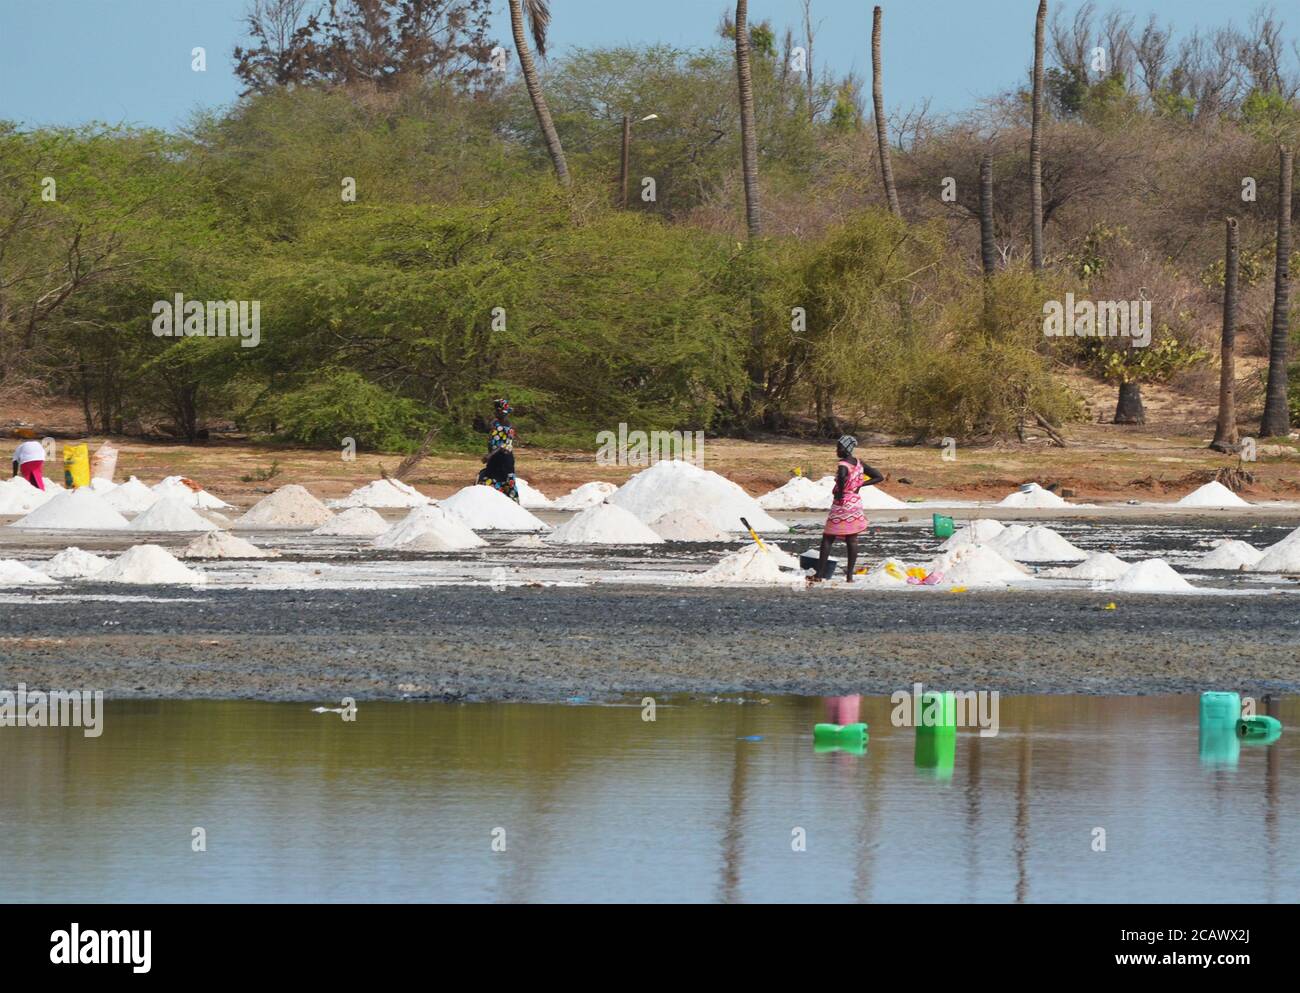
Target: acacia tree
x=1036 y=141
x=1277 y=415
x=878 y=103
x=1225 y=432
x=539 y=19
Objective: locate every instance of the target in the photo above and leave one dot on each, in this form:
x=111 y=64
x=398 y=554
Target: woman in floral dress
x=846 y=519
x=499 y=463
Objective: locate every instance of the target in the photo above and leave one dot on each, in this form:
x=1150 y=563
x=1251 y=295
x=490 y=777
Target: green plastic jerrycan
x=1220 y=710
x=936 y=754
x=847 y=737
x=1260 y=729
x=938 y=713
x=943 y=526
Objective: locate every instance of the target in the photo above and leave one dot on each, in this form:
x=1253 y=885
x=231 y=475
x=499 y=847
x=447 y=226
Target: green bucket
x=943 y=526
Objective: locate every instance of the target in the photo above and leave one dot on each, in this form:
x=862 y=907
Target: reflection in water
x=597 y=804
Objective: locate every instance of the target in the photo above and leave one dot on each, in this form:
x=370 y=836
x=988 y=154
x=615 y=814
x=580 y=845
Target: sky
x=67 y=62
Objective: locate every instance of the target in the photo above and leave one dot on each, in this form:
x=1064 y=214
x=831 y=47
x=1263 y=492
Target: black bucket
x=810 y=560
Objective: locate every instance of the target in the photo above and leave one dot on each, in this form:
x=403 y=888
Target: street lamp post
x=627 y=154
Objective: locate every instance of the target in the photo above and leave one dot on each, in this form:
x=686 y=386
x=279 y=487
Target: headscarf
x=848 y=443
x=502 y=406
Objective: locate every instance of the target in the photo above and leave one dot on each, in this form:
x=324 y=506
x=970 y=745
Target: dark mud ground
x=554 y=644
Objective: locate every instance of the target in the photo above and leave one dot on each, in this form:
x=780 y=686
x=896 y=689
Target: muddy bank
x=553 y=644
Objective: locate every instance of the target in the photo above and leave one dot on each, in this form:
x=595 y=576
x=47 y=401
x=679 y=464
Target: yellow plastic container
x=76 y=466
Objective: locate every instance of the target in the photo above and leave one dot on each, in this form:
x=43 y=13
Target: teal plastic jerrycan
x=1260 y=729
x=1220 y=710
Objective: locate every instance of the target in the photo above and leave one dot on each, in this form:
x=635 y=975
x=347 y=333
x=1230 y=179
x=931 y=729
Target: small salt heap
x=977 y=565
x=604 y=524
x=1007 y=536
x=17 y=496
x=1099 y=566
x=430 y=528
x=753 y=566
x=290 y=506
x=224 y=545
x=1151 y=576
x=686 y=525
x=531 y=498
x=677 y=485
x=75 y=510
x=149 y=565
x=1282 y=558
x=356 y=522
x=15 y=573
x=1041 y=544
x=187 y=489
x=874 y=498
x=73 y=563
x=1032 y=496
x=384 y=494
x=978 y=532
x=1210 y=496
x=132 y=497
x=1231 y=556
x=800 y=493
x=485 y=508
x=584 y=496
x=171 y=514
x=891 y=574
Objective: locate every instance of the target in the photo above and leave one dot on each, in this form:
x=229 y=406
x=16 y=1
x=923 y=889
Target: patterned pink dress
x=846 y=515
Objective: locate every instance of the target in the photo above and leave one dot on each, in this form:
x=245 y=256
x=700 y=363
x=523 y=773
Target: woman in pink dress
x=846 y=519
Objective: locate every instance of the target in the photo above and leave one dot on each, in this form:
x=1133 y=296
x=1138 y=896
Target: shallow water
x=595 y=803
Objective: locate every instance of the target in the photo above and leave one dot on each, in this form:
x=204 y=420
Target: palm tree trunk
x=988 y=249
x=529 y=69
x=1277 y=416
x=748 y=135
x=1225 y=433
x=878 y=103
x=1036 y=140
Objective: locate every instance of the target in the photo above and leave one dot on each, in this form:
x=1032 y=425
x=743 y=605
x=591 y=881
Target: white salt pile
x=686 y=525
x=1032 y=496
x=891 y=574
x=527 y=541
x=1151 y=576
x=14 y=573
x=977 y=565
x=800 y=493
x=102 y=486
x=73 y=563
x=187 y=489
x=290 y=506
x=1041 y=544
x=430 y=528
x=17 y=496
x=132 y=497
x=827 y=482
x=171 y=514
x=76 y=510
x=1098 y=566
x=149 y=565
x=676 y=485
x=874 y=498
x=584 y=496
x=752 y=566
x=977 y=532
x=604 y=525
x=1284 y=558
x=531 y=498
x=224 y=545
x=383 y=494
x=1232 y=556
x=1212 y=494
x=484 y=508
x=356 y=522
x=1008 y=535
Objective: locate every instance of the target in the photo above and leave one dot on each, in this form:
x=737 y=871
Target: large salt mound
x=102 y=486
x=73 y=563
x=179 y=486
x=149 y=565
x=1098 y=566
x=604 y=525
x=1041 y=544
x=1231 y=555
x=171 y=514
x=485 y=508
x=676 y=485
x=800 y=493
x=382 y=493
x=356 y=522
x=531 y=498
x=977 y=532
x=1151 y=576
x=977 y=565
x=430 y=529
x=290 y=506
x=17 y=496
x=1031 y=497
x=1284 y=557
x=584 y=496
x=14 y=573
x=1212 y=494
x=132 y=497
x=686 y=525
x=224 y=545
x=78 y=510
x=1007 y=536
x=752 y=566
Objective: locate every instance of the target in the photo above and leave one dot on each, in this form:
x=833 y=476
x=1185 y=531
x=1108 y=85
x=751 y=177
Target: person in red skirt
x=846 y=519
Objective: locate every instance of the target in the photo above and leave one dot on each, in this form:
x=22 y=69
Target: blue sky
x=128 y=61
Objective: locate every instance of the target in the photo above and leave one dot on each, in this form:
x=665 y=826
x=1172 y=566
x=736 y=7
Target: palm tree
x=1277 y=416
x=1036 y=140
x=748 y=135
x=1225 y=433
x=878 y=102
x=988 y=249
x=539 y=19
